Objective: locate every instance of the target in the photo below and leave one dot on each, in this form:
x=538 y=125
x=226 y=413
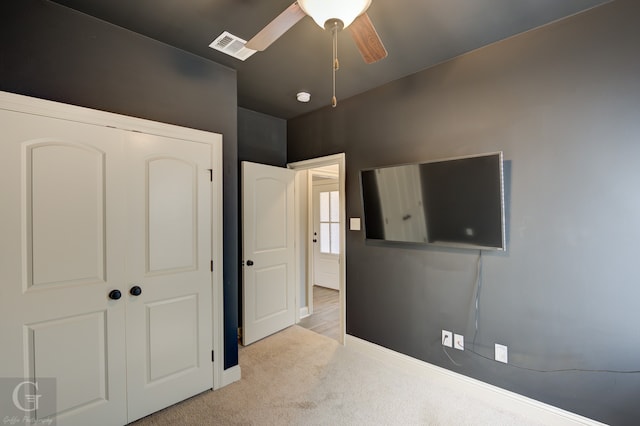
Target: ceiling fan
x=333 y=15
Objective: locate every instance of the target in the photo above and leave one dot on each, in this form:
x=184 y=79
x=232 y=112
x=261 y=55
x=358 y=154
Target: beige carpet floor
x=298 y=377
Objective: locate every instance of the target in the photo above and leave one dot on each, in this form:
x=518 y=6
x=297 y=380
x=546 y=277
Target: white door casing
x=326 y=234
x=305 y=217
x=67 y=197
x=268 y=250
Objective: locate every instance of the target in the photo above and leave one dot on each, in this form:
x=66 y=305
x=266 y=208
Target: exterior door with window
x=326 y=234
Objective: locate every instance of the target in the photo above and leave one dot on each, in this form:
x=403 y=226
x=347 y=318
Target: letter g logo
x=29 y=399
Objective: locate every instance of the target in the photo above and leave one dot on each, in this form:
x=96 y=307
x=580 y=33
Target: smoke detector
x=303 y=97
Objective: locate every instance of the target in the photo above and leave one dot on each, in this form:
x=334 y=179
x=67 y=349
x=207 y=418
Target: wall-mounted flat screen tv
x=454 y=202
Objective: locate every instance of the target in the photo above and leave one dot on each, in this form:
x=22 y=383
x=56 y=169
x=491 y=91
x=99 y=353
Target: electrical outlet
x=447 y=338
x=502 y=353
x=458 y=341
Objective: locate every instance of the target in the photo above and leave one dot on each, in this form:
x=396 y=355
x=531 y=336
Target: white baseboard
x=231 y=375
x=304 y=312
x=545 y=413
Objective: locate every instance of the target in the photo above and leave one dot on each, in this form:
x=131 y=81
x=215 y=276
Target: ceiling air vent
x=232 y=46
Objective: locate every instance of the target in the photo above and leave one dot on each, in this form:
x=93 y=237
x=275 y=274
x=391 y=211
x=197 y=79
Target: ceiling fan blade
x=367 y=39
x=274 y=29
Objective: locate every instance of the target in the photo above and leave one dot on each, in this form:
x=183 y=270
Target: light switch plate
x=502 y=353
x=354 y=224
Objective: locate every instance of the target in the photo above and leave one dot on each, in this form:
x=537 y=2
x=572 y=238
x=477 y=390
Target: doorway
x=320 y=237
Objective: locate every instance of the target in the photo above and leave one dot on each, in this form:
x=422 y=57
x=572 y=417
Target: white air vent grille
x=232 y=46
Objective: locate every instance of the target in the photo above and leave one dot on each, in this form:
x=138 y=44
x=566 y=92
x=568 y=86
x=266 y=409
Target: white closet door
x=63 y=231
x=169 y=339
x=86 y=210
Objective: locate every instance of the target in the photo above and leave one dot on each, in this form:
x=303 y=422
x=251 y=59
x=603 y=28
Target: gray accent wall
x=262 y=138
x=563 y=104
x=49 y=51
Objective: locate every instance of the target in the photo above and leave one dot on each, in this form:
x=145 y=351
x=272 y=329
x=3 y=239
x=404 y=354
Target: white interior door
x=60 y=186
x=87 y=211
x=326 y=235
x=169 y=338
x=268 y=250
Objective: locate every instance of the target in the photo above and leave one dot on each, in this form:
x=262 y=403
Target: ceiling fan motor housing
x=334 y=24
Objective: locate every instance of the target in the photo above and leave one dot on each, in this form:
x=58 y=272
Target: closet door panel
x=60 y=186
x=65 y=197
x=169 y=339
x=171 y=215
x=81 y=378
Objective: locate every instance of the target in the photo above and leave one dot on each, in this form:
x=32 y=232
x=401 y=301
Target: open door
x=268 y=250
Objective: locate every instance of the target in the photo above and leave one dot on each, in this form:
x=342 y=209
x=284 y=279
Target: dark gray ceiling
x=417 y=34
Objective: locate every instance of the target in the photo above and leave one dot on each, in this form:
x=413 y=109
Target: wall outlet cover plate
x=458 y=341
x=447 y=338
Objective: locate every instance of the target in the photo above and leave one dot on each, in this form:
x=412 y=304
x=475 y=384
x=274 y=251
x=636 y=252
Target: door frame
x=36 y=106
x=303 y=234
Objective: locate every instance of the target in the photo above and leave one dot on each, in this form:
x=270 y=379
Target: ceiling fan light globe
x=324 y=10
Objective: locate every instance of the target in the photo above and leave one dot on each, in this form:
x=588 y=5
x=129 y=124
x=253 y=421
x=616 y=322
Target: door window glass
x=330 y=222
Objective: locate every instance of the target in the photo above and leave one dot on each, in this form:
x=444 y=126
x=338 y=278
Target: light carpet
x=298 y=377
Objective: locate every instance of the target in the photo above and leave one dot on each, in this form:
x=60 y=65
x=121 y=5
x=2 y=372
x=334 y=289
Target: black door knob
x=249 y=262
x=115 y=294
x=135 y=290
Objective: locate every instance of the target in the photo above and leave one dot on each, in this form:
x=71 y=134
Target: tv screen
x=456 y=202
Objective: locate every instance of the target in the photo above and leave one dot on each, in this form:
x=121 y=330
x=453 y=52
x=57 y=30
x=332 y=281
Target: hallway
x=325 y=319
